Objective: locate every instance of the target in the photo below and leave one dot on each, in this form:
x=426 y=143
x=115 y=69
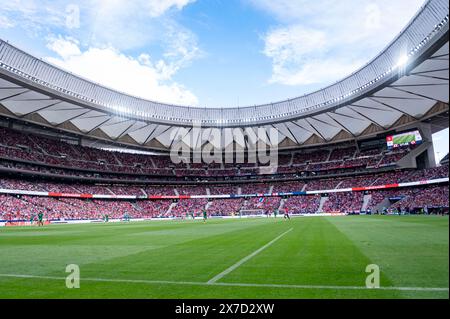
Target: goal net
x=252 y=212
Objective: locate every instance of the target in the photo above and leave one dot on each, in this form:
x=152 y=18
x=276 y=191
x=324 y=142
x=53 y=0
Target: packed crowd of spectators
x=154 y=208
x=356 y=181
x=223 y=189
x=322 y=184
x=265 y=204
x=342 y=153
x=25 y=207
x=87 y=162
x=160 y=190
x=387 y=178
x=410 y=199
x=225 y=207
x=188 y=206
x=344 y=202
x=288 y=187
x=428 y=197
x=127 y=190
x=255 y=188
x=302 y=204
x=191 y=190
x=21 y=152
x=424 y=199
x=319 y=156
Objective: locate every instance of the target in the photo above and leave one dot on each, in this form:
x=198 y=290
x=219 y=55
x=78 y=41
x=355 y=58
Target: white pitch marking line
x=243 y=260
x=331 y=287
x=153 y=282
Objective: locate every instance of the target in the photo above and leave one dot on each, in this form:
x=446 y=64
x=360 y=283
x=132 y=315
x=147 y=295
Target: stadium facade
x=331 y=143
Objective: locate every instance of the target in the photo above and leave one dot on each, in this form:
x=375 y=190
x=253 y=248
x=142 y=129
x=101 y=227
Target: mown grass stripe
x=245 y=259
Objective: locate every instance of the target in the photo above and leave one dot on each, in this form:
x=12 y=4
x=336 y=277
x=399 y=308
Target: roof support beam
x=431 y=77
x=367 y=118
x=315 y=129
x=290 y=136
x=416 y=94
x=72 y=118
x=14 y=95
x=41 y=109
x=153 y=131
x=124 y=132
x=99 y=125
x=393 y=107
x=343 y=126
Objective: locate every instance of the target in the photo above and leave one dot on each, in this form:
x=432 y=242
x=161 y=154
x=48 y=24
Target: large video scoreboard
x=404 y=139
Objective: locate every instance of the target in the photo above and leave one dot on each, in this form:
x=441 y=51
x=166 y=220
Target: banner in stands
x=22 y=223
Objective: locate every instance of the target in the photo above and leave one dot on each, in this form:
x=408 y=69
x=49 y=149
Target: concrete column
x=427 y=135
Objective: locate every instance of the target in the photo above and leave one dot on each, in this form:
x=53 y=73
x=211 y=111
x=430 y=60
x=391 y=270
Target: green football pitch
x=310 y=257
x=404 y=139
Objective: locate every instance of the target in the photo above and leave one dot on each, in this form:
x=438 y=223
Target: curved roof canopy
x=405 y=83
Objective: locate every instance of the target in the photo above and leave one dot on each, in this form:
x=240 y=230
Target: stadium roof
x=444 y=160
x=406 y=83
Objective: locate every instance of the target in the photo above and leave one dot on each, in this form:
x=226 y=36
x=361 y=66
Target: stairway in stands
x=169 y=210
x=366 y=201
x=323 y=200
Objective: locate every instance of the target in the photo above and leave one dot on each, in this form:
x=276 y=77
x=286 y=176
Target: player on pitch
x=41 y=219
x=286 y=214
x=32 y=217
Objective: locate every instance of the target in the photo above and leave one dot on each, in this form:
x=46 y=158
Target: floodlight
x=402 y=61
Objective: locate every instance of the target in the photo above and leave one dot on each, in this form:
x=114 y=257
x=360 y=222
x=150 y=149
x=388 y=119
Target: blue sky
x=207 y=53
x=213 y=53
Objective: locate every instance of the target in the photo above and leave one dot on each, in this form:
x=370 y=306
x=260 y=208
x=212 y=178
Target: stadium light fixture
x=402 y=61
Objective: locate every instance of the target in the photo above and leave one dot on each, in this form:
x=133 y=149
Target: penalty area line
x=223 y=284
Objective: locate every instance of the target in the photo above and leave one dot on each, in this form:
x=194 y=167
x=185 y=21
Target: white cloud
x=5 y=22
x=91 y=36
x=323 y=41
x=291 y=9
x=140 y=77
x=440 y=143
x=72 y=16
x=128 y=24
x=343 y=10
x=123 y=24
x=300 y=56
x=159 y=7
x=181 y=49
x=287 y=48
x=33 y=16
x=152 y=8
x=64 y=47
x=286 y=42
x=312 y=71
